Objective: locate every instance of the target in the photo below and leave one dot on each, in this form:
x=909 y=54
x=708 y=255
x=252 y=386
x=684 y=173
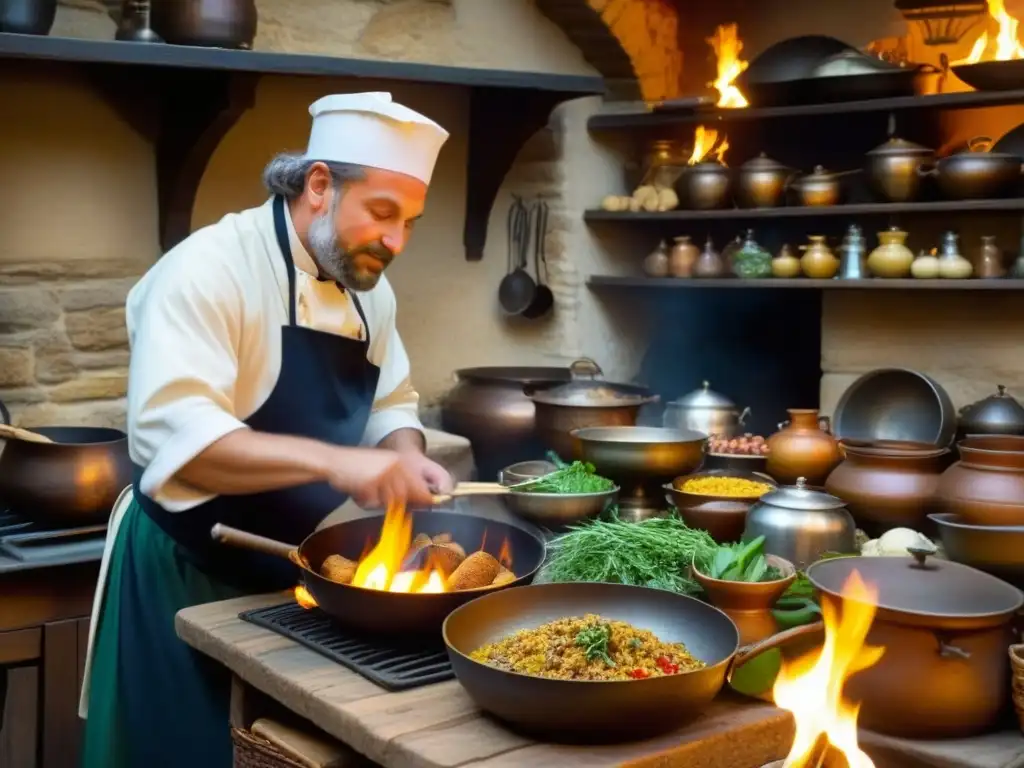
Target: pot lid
x=704 y=398
x=594 y=394
x=898 y=146
x=924 y=588
x=1001 y=410
x=763 y=163
x=802 y=497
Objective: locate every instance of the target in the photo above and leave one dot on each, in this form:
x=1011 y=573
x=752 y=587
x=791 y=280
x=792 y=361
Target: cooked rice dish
x=587 y=648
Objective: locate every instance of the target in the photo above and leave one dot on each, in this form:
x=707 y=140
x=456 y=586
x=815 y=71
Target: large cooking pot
x=986 y=487
x=945 y=628
x=73 y=480
x=976 y=174
x=707 y=411
x=893 y=169
x=586 y=401
x=490 y=408
x=998 y=414
x=889 y=484
x=209 y=23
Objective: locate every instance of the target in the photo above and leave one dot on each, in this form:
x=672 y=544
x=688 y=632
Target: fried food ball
x=505 y=576
x=477 y=570
x=338 y=569
x=447 y=557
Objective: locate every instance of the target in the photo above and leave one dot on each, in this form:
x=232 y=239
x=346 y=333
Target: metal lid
x=763 y=163
x=999 y=410
x=802 y=497
x=898 y=146
x=923 y=590
x=704 y=398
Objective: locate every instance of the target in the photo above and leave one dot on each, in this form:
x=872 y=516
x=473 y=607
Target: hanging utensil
x=543 y=298
x=517 y=287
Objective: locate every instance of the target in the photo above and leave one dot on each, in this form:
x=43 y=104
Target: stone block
x=98 y=413
x=54 y=357
x=93 y=294
x=106 y=385
x=97 y=329
x=16 y=366
x=22 y=273
x=27 y=309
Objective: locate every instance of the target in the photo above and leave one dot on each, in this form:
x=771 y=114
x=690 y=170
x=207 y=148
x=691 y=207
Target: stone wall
x=79 y=227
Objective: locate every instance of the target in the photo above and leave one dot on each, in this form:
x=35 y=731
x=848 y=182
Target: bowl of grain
x=717 y=500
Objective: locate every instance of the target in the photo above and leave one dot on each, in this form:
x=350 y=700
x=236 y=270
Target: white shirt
x=204 y=327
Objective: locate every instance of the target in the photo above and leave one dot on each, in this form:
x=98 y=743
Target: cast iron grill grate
x=393 y=667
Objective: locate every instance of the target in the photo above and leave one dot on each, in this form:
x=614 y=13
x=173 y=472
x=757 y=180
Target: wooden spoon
x=7 y=432
x=473 y=489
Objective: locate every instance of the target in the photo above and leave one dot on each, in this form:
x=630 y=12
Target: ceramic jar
x=818 y=260
x=751 y=261
x=925 y=266
x=682 y=258
x=709 y=263
x=656 y=264
x=891 y=258
x=989 y=261
x=986 y=487
x=889 y=484
x=803 y=448
x=952 y=264
x=786 y=263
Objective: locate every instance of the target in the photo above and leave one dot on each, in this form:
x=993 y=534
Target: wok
x=599 y=711
x=992 y=75
x=372 y=611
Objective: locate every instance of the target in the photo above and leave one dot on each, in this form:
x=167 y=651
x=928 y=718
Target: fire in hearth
x=1004 y=45
x=708 y=144
x=812 y=687
x=727 y=46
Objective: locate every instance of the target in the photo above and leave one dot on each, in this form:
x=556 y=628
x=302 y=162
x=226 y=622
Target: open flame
x=727 y=46
x=1004 y=46
x=384 y=566
x=706 y=143
x=812 y=687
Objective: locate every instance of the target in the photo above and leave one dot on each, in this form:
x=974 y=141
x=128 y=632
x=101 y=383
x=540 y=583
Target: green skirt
x=153 y=701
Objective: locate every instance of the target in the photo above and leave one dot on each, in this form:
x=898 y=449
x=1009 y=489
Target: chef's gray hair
x=286 y=173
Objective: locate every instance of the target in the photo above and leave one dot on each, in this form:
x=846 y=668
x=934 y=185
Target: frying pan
x=992 y=75
x=372 y=611
x=608 y=711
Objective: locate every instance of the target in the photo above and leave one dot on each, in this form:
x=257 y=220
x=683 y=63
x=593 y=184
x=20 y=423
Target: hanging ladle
x=517 y=288
x=543 y=298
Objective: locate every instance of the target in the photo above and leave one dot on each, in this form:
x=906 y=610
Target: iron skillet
x=372 y=611
x=575 y=711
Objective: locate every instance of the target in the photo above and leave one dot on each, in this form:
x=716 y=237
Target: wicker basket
x=253 y=752
x=1017 y=668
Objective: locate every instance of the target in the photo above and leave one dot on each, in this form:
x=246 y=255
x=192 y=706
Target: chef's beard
x=339 y=264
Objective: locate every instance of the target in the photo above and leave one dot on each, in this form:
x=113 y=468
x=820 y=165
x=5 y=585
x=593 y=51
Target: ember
x=812 y=687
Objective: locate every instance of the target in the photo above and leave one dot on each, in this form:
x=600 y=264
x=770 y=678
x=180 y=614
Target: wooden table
x=437 y=726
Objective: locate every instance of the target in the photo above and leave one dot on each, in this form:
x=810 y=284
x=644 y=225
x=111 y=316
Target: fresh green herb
x=594 y=642
x=636 y=642
x=577 y=477
x=653 y=553
x=739 y=562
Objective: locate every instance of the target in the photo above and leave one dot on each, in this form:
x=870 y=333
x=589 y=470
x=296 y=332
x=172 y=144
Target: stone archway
x=634 y=44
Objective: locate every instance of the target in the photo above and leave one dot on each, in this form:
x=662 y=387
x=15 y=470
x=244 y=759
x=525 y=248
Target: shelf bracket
x=501 y=121
x=198 y=108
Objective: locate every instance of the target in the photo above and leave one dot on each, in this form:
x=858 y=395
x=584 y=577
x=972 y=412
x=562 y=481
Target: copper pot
x=889 y=484
x=207 y=23
x=704 y=186
x=945 y=628
x=986 y=487
x=721 y=516
x=803 y=447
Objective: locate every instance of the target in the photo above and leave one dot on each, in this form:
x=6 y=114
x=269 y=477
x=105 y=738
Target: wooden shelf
x=642 y=117
x=608 y=282
x=185 y=99
x=1006 y=205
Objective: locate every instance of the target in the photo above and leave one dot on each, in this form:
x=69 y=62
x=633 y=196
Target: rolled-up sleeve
x=184 y=323
x=396 y=404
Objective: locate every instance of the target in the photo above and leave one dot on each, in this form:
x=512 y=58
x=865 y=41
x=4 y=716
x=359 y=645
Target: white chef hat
x=370 y=129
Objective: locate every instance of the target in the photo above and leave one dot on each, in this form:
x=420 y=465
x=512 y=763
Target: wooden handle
x=225 y=534
x=8 y=432
x=473 y=489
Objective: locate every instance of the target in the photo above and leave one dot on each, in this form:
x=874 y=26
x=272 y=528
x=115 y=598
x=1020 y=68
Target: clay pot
x=989 y=261
x=724 y=517
x=891 y=258
x=818 y=260
x=889 y=484
x=657 y=262
x=986 y=487
x=803 y=448
x=682 y=257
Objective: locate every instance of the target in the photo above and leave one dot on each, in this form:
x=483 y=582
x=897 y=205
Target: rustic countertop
x=438 y=726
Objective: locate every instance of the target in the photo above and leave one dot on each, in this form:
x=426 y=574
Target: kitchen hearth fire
x=812 y=687
x=1003 y=45
x=727 y=46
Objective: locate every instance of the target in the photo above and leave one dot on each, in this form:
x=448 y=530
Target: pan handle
x=233 y=537
x=748 y=652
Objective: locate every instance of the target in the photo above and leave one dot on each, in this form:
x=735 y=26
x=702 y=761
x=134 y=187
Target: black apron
x=325 y=391
x=154 y=701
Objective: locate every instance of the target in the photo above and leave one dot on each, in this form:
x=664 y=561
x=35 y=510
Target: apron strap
x=281 y=230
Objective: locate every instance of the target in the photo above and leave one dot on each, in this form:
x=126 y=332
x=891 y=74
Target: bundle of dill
x=653 y=553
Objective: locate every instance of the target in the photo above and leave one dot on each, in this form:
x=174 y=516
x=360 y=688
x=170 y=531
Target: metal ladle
x=543 y=298
x=517 y=288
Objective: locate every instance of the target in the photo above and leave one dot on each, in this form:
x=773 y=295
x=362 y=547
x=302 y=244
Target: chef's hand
x=436 y=477
x=376 y=477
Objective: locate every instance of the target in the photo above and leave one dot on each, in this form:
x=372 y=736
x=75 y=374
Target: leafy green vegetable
x=577 y=477
x=653 y=553
x=739 y=562
x=594 y=642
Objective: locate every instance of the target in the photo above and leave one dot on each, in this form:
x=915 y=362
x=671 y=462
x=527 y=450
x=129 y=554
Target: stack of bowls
x=982 y=501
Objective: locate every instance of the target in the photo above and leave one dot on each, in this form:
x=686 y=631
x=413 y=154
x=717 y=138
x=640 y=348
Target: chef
x=267 y=384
